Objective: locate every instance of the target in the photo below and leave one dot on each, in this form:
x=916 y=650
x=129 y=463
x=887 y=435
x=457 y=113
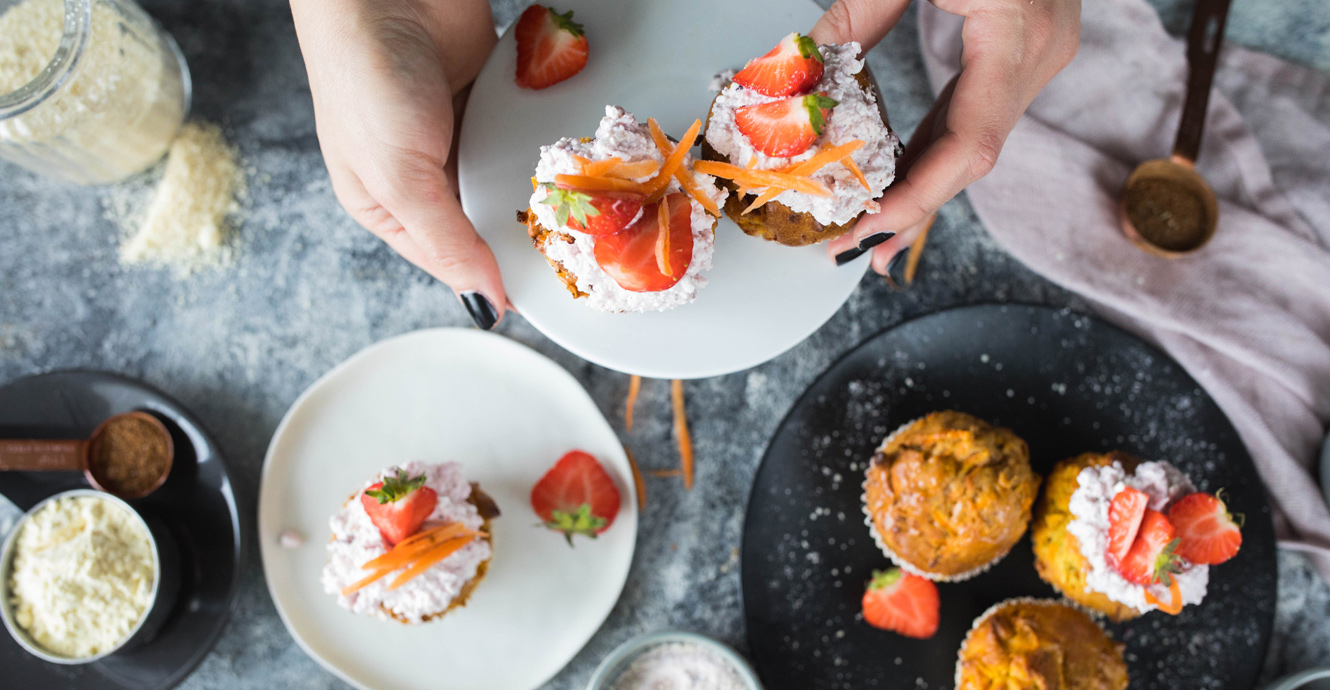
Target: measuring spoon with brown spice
x=128 y=455
x=1167 y=208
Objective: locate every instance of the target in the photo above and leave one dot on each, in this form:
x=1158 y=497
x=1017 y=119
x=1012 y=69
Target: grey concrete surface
x=309 y=288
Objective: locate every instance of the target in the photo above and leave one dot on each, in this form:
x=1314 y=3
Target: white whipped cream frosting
x=621 y=135
x=357 y=541
x=855 y=116
x=1164 y=484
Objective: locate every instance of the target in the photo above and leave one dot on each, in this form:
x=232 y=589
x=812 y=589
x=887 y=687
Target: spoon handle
x=41 y=455
x=1203 y=41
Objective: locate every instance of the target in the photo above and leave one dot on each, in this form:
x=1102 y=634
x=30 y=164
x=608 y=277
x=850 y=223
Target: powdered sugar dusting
x=679 y=666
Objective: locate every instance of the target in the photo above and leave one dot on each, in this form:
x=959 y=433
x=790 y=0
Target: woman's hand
x=1011 y=49
x=388 y=79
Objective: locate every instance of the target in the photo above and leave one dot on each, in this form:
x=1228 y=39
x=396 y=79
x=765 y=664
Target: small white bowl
x=1311 y=679
x=621 y=658
x=165 y=584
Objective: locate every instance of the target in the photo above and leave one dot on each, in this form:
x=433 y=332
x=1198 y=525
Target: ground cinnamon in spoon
x=1167 y=213
x=130 y=455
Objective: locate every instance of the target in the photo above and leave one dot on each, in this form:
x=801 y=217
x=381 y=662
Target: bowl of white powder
x=83 y=576
x=673 y=661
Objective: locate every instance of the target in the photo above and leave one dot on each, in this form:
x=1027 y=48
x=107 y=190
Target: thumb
x=439 y=238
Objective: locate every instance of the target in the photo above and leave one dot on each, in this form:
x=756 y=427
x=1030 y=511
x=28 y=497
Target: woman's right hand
x=389 y=79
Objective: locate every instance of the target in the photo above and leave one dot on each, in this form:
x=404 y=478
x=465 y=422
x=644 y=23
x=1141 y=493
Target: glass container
x=111 y=96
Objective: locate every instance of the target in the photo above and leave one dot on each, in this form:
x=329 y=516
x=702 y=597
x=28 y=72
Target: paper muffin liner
x=887 y=550
x=960 y=653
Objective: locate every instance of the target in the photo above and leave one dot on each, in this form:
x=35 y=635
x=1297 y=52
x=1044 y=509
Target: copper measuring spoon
x=79 y=455
x=1167 y=208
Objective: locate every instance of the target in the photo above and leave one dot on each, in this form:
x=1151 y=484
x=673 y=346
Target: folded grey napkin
x=1249 y=314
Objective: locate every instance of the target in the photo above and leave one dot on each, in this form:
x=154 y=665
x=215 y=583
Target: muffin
x=1071 y=533
x=948 y=495
x=1035 y=643
x=746 y=131
x=359 y=538
x=623 y=233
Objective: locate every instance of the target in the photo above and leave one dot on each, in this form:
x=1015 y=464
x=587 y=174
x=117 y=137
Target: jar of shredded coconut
x=91 y=91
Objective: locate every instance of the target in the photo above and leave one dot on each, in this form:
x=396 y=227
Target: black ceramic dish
x=196 y=504
x=1066 y=383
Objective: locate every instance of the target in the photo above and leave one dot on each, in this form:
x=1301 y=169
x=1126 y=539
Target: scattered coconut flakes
x=185 y=226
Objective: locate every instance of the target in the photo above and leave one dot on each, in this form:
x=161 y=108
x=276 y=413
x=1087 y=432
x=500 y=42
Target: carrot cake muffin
x=622 y=218
x=411 y=545
x=948 y=495
x=1105 y=535
x=801 y=138
x=1035 y=643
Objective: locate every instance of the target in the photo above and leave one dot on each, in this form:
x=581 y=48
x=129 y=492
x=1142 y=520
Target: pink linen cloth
x=1248 y=316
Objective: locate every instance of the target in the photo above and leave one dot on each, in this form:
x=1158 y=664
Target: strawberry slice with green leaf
x=1125 y=513
x=1152 y=557
x=902 y=602
x=600 y=213
x=649 y=256
x=399 y=505
x=785 y=128
x=576 y=496
x=551 y=47
x=793 y=66
x=1207 y=532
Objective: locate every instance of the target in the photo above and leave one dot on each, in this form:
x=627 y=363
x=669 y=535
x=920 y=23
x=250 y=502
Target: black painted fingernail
x=874 y=240
x=849 y=255
x=482 y=312
x=896 y=262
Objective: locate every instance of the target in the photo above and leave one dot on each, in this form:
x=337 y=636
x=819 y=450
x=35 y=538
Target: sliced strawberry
x=902 y=602
x=793 y=66
x=599 y=213
x=399 y=505
x=1207 y=532
x=1151 y=558
x=1124 y=521
x=639 y=259
x=576 y=496
x=784 y=128
x=550 y=47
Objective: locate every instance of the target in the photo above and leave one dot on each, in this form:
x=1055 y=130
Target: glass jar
x=114 y=91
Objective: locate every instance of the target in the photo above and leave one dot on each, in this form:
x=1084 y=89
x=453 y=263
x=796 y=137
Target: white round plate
x=656 y=59
x=507 y=414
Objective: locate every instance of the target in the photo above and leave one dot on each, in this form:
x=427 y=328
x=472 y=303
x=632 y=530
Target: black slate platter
x=196 y=504
x=1066 y=383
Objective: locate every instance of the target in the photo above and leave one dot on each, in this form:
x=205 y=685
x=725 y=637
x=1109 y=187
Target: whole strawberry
x=902 y=602
x=576 y=496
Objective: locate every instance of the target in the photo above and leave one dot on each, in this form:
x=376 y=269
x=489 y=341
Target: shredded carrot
x=917 y=248
x=638 y=481
x=434 y=555
x=634 y=387
x=683 y=175
x=599 y=168
x=1173 y=607
x=771 y=193
x=831 y=155
x=369 y=580
x=665 y=473
x=762 y=178
x=408 y=549
x=854 y=168
x=663 y=237
x=631 y=171
x=598 y=184
x=661 y=181
x=681 y=431
x=583 y=161
x=534 y=184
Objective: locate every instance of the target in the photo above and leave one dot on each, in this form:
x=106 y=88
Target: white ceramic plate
x=655 y=59
x=507 y=414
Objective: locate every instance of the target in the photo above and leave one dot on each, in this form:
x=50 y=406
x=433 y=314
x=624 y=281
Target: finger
x=875 y=225
x=897 y=248
x=865 y=21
